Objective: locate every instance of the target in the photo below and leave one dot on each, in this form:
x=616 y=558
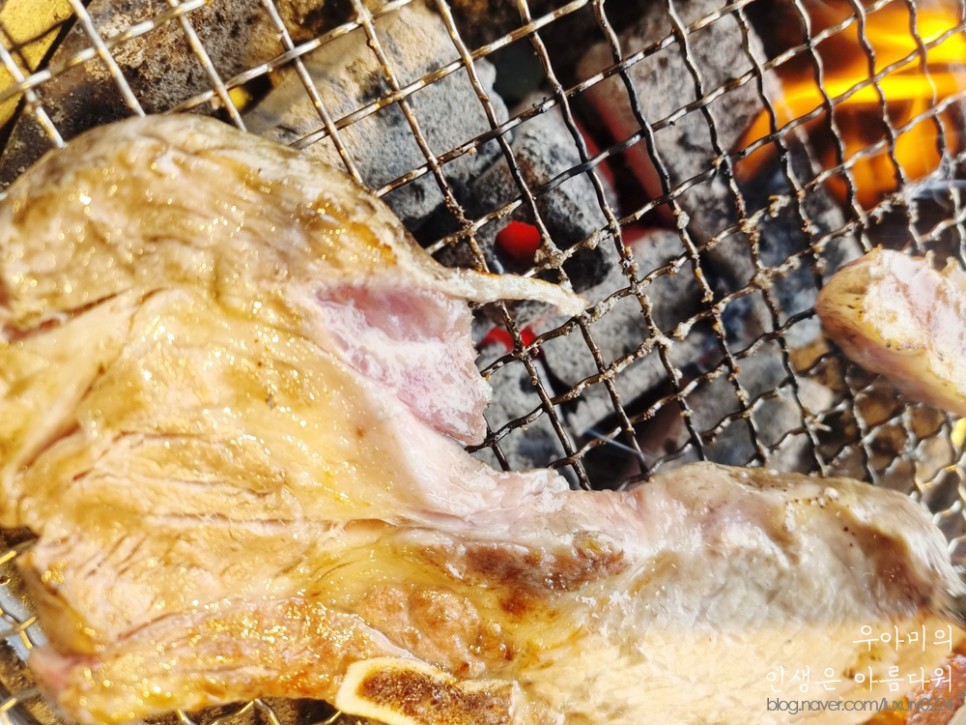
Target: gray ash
x=764 y=426
x=348 y=75
x=532 y=444
x=542 y=148
x=664 y=84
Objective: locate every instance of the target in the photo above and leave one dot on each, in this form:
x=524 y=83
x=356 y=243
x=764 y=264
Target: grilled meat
x=897 y=316
x=230 y=392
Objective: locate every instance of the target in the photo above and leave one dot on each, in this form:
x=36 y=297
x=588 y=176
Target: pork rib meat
x=232 y=393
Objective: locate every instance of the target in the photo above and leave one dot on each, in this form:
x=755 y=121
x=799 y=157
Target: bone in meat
x=226 y=379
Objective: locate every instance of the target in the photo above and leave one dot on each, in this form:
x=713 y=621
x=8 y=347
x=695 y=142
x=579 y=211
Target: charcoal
x=483 y=21
x=307 y=19
x=692 y=349
x=923 y=216
x=775 y=414
x=620 y=332
x=621 y=328
x=543 y=148
x=763 y=377
x=639 y=385
x=785 y=239
x=383 y=147
x=664 y=84
x=159 y=66
x=533 y=445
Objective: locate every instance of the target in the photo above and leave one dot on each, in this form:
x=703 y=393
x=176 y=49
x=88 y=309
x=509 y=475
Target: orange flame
x=907 y=92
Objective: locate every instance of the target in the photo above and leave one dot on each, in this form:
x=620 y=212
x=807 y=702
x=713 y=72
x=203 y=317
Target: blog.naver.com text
x=922 y=704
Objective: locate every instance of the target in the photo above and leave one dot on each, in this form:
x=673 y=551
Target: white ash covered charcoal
x=566 y=37
x=785 y=233
x=619 y=329
x=542 y=147
x=160 y=67
x=618 y=325
x=535 y=444
x=663 y=85
x=775 y=413
x=692 y=349
x=531 y=445
x=383 y=147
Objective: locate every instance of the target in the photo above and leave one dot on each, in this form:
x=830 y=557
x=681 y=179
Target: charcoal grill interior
x=616 y=131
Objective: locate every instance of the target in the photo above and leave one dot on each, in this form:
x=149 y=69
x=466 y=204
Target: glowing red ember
x=518 y=242
x=500 y=336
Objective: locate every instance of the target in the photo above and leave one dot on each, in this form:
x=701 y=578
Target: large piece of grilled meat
x=231 y=391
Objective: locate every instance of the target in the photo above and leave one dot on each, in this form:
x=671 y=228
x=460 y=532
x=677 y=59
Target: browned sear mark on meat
x=534 y=570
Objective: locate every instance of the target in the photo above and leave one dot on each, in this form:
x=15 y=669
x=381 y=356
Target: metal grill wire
x=939 y=487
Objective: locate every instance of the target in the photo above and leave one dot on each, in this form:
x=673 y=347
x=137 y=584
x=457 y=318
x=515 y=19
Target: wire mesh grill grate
x=739 y=372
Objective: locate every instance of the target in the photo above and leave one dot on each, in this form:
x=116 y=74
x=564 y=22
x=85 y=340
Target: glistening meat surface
x=230 y=391
x=896 y=315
